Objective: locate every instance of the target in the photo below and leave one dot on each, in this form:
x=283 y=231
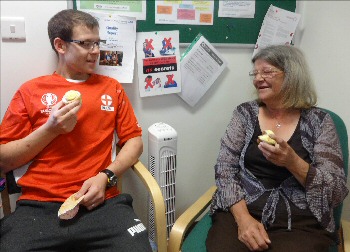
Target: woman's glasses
x=267 y=73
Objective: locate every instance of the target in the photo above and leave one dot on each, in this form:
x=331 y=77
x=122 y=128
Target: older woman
x=278 y=197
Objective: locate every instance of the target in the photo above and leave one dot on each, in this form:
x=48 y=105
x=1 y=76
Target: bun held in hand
x=71 y=96
x=265 y=137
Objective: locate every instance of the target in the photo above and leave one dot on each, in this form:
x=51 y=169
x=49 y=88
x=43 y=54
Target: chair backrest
x=343 y=137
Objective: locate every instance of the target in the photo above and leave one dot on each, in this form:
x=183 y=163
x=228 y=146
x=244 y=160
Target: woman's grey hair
x=61 y=25
x=298 y=89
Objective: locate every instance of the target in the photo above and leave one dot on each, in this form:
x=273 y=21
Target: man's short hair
x=61 y=25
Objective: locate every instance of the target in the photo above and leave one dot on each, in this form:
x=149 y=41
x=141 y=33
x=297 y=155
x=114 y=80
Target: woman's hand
x=94 y=190
x=253 y=234
x=283 y=155
x=250 y=231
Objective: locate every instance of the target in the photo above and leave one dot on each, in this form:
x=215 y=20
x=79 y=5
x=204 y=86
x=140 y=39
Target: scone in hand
x=69 y=208
x=266 y=138
x=71 y=96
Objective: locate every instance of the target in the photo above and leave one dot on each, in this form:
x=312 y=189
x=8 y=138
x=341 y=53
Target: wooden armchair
x=154 y=190
x=194 y=240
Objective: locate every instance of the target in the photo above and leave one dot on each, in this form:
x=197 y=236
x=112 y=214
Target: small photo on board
x=111 y=58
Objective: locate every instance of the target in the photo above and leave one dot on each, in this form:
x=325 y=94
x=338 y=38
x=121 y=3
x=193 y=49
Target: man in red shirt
x=56 y=150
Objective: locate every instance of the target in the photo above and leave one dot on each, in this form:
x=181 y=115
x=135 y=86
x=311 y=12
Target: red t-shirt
x=61 y=168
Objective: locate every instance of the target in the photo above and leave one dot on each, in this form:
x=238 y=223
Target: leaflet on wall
x=135 y=9
x=201 y=64
x=158 y=61
x=184 y=12
x=237 y=9
x=117 y=54
x=278 y=27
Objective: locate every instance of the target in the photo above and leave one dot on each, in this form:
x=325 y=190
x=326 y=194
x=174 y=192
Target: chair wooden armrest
x=346 y=235
x=157 y=198
x=184 y=222
x=158 y=203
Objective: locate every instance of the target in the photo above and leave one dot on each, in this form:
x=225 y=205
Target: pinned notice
x=278 y=28
x=201 y=64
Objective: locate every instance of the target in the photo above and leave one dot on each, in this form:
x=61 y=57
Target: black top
x=268 y=173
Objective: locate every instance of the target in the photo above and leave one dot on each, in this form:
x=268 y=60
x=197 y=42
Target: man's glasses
x=265 y=73
x=89 y=45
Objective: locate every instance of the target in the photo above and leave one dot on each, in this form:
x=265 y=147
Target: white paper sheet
x=237 y=9
x=278 y=27
x=117 y=56
x=158 y=60
x=201 y=65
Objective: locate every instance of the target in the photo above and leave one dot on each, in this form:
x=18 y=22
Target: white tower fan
x=162 y=150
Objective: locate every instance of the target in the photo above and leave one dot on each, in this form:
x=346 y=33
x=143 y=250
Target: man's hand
x=16 y=153
x=63 y=118
x=94 y=190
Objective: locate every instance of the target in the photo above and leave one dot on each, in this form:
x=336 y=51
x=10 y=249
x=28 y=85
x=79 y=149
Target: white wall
x=324 y=41
x=325 y=44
